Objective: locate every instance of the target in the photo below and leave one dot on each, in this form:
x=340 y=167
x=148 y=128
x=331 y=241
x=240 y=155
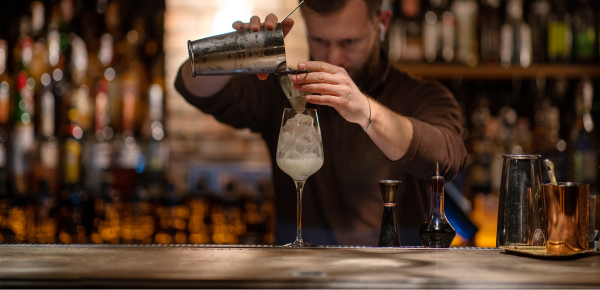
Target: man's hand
x=270 y=24
x=336 y=88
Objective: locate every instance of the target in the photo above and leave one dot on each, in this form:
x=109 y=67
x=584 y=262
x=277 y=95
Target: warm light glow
x=30 y=84
x=110 y=74
x=133 y=36
x=45 y=79
x=57 y=74
x=77 y=132
x=229 y=12
x=561 y=145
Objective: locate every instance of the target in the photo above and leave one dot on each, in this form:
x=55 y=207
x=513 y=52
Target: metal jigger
x=389 y=236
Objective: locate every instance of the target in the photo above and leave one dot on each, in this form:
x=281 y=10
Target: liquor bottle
x=437 y=232
x=585 y=163
x=75 y=130
x=546 y=129
x=199 y=231
x=515 y=37
x=5 y=145
x=6 y=90
x=172 y=216
x=584 y=32
x=490 y=31
x=480 y=141
x=538 y=20
x=98 y=149
x=157 y=151
x=560 y=33
x=412 y=43
x=45 y=218
x=438 y=32
x=47 y=141
x=108 y=211
x=38 y=64
x=465 y=13
x=130 y=161
x=38 y=14
x=23 y=131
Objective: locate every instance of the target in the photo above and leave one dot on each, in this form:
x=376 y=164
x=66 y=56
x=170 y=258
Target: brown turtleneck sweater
x=342 y=203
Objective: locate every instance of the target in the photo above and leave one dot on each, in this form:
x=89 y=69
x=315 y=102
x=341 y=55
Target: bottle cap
x=437 y=172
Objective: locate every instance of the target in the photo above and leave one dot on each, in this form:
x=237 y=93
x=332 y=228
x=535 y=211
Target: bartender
x=377 y=123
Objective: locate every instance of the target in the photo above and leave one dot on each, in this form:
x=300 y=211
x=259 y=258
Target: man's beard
x=367 y=73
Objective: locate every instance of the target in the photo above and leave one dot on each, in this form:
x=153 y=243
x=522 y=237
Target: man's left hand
x=336 y=90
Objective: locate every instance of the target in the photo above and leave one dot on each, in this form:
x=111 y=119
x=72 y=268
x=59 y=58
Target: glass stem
x=299 y=189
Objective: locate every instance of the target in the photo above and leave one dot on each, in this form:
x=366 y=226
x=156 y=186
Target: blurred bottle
x=257 y=206
x=107 y=224
x=199 y=204
x=78 y=115
x=71 y=227
x=23 y=131
x=47 y=148
x=45 y=216
x=47 y=141
x=226 y=224
x=515 y=37
x=490 y=23
x=584 y=32
x=98 y=150
x=130 y=162
x=75 y=130
x=481 y=145
x=412 y=43
x=173 y=215
x=438 y=32
x=465 y=13
x=157 y=151
x=560 y=33
x=538 y=20
x=6 y=90
x=585 y=163
x=546 y=129
x=138 y=223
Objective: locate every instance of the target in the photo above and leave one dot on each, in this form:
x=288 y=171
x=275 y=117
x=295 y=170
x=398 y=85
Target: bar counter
x=191 y=266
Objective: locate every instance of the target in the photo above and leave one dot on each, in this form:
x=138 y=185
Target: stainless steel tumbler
x=520 y=214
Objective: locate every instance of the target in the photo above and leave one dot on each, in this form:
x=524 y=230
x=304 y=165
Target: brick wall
x=195 y=137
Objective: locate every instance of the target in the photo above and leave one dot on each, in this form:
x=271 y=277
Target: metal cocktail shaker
x=240 y=52
x=520 y=215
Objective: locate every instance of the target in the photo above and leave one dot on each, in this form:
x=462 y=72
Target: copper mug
x=567 y=211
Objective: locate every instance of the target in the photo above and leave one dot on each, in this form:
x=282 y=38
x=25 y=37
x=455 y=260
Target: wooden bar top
x=188 y=266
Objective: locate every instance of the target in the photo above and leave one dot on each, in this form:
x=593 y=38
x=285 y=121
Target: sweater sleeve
x=242 y=103
x=437 y=133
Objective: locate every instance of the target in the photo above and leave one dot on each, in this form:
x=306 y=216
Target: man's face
x=348 y=38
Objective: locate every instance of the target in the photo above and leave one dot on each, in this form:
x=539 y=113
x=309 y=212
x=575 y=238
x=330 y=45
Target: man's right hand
x=270 y=24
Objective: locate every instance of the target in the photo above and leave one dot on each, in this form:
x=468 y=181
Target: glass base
x=299 y=243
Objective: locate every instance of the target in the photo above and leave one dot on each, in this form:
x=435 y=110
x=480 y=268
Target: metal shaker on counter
x=521 y=220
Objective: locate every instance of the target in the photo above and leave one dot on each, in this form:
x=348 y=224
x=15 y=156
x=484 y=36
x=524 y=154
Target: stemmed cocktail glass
x=299 y=154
